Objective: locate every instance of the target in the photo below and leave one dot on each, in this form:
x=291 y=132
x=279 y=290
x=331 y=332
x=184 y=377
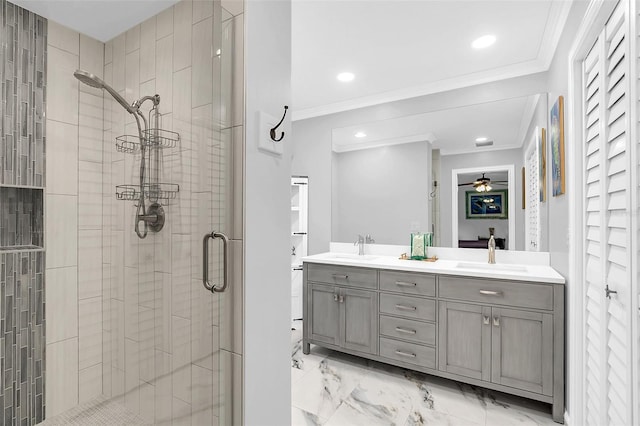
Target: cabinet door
x=324 y=314
x=522 y=350
x=465 y=340
x=359 y=320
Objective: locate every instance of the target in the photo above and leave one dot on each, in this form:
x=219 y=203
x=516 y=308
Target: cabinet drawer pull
x=405 y=307
x=341 y=298
x=405 y=330
x=491 y=293
x=344 y=277
x=485 y=319
x=407 y=354
x=335 y=297
x=496 y=321
x=405 y=284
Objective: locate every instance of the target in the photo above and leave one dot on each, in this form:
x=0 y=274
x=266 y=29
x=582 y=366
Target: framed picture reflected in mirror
x=487 y=205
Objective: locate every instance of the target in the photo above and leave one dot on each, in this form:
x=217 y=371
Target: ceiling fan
x=483 y=184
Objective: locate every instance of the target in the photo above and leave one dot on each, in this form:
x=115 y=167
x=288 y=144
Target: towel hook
x=272 y=132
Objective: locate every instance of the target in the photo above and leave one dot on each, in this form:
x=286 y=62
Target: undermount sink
x=492 y=267
x=352 y=256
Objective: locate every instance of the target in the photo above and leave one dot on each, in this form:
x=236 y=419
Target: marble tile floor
x=330 y=388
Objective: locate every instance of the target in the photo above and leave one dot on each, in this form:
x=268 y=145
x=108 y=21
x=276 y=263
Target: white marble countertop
x=467 y=268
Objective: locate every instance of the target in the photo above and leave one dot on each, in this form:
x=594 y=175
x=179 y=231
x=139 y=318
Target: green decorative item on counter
x=418 y=246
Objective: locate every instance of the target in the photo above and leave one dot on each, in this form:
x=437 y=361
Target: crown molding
x=474 y=150
x=339 y=148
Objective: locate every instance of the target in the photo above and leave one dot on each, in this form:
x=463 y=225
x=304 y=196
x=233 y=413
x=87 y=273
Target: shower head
x=95 y=81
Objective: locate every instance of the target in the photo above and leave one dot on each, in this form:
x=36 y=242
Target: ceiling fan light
x=487 y=188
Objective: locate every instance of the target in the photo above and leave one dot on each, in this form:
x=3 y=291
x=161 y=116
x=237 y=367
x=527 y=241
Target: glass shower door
x=168 y=348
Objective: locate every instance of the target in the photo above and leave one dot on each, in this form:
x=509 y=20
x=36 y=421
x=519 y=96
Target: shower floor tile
x=98 y=412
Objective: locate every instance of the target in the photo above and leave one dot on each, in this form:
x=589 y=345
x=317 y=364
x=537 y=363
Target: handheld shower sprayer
x=95 y=81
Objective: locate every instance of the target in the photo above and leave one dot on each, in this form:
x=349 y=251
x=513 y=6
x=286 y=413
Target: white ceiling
x=403 y=49
x=452 y=131
x=100 y=19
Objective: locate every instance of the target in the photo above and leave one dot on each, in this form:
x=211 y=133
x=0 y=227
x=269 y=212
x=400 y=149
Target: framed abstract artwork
x=556 y=138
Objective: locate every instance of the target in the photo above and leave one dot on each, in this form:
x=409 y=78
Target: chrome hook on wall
x=272 y=132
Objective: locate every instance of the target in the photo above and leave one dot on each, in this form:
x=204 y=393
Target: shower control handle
x=205 y=262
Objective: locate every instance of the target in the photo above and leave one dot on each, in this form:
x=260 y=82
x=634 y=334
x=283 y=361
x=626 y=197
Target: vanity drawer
x=512 y=293
x=403 y=282
x=343 y=275
x=408 y=307
x=419 y=332
x=424 y=356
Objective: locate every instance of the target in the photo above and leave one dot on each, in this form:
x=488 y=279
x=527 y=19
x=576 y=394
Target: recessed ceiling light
x=484 y=41
x=485 y=143
x=346 y=76
x=360 y=135
x=482 y=139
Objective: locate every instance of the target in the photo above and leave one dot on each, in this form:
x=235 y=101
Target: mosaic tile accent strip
x=22 y=338
x=20 y=217
x=23 y=52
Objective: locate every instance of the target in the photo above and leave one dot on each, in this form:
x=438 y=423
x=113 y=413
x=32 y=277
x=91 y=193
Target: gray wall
x=482 y=159
x=312 y=139
x=267 y=250
x=558 y=84
x=382 y=192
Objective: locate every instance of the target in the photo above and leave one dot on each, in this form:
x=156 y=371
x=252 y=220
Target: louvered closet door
x=532 y=212
x=606 y=253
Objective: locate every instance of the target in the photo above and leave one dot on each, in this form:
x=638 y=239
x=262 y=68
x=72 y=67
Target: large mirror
x=430 y=172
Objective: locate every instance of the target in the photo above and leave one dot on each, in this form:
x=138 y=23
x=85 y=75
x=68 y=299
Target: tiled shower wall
x=22 y=337
x=23 y=55
x=73 y=222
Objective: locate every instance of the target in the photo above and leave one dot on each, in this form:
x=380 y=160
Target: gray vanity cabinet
x=502 y=334
x=342 y=316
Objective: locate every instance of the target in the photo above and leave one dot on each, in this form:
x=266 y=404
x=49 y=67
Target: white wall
x=481 y=159
x=381 y=191
x=312 y=141
x=267 y=364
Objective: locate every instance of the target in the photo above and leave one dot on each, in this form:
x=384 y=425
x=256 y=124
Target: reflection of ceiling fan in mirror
x=483 y=184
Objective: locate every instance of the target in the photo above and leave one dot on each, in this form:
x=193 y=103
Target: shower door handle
x=205 y=262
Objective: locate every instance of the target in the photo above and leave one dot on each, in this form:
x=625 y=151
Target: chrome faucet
x=360 y=244
x=369 y=239
x=492 y=250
